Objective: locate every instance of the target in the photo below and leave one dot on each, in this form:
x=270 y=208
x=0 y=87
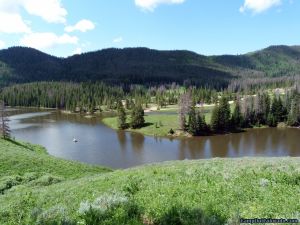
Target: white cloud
x=118 y=40
x=46 y=40
x=258 y=6
x=2 y=44
x=9 y=6
x=77 y=51
x=152 y=4
x=51 y=11
x=12 y=23
x=82 y=25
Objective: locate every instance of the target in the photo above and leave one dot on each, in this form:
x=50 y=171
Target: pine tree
x=236 y=117
x=121 y=116
x=294 y=114
x=215 y=119
x=137 y=117
x=224 y=114
x=4 y=126
x=220 y=119
x=192 y=123
x=278 y=110
x=202 y=127
x=271 y=121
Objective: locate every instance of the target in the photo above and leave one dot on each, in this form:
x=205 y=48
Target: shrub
x=8 y=182
x=47 y=180
x=131 y=187
x=110 y=209
x=54 y=216
x=186 y=216
x=171 y=131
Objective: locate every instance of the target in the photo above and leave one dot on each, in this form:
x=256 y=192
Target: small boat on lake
x=75 y=140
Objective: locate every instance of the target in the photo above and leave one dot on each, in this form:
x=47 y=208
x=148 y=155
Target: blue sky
x=208 y=27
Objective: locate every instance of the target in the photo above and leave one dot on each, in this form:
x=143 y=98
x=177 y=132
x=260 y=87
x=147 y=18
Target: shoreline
x=184 y=135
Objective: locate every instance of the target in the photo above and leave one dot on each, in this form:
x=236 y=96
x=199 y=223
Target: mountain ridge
x=143 y=65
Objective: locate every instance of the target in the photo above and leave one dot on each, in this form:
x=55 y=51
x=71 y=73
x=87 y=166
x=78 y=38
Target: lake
x=98 y=144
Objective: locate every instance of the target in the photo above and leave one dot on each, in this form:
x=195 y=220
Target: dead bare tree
x=4 y=122
x=185 y=103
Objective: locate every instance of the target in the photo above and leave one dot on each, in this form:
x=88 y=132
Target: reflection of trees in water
x=196 y=147
x=55 y=115
x=190 y=148
x=219 y=145
x=292 y=141
x=182 y=149
x=158 y=139
x=137 y=141
x=122 y=139
x=207 y=149
x=76 y=118
x=263 y=142
x=234 y=144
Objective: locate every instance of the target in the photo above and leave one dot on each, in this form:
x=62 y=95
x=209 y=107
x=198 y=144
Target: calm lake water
x=98 y=144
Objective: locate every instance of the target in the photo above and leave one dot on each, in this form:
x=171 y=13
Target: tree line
x=248 y=112
x=89 y=97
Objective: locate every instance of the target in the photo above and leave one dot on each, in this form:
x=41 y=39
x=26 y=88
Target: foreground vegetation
x=40 y=189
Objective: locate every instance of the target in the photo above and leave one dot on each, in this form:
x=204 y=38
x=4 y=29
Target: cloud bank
x=118 y=40
x=46 y=40
x=258 y=6
x=11 y=23
x=83 y=26
x=150 y=5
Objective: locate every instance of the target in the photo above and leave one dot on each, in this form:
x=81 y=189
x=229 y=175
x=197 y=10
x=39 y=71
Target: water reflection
x=99 y=144
x=137 y=142
x=122 y=139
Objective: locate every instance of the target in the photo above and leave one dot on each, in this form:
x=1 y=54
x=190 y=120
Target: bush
x=110 y=209
x=8 y=182
x=186 y=216
x=54 y=216
x=171 y=131
x=131 y=187
x=47 y=180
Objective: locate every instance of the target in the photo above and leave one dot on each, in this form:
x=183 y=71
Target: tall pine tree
x=137 y=117
x=224 y=114
x=121 y=116
x=192 y=123
x=236 y=117
x=215 y=119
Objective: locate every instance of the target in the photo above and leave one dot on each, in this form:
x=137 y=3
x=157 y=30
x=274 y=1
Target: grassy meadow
x=39 y=189
x=159 y=123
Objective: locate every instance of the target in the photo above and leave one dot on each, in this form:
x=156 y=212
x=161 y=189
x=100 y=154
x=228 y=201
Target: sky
x=210 y=27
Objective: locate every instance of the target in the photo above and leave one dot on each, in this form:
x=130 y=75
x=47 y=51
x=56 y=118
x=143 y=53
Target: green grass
x=160 y=123
x=215 y=191
x=18 y=158
x=164 y=124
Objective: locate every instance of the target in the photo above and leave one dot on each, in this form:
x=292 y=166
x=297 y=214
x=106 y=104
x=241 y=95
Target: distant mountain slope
x=273 y=61
x=146 y=66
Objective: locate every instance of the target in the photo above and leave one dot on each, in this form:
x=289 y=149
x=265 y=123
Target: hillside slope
x=146 y=66
x=216 y=191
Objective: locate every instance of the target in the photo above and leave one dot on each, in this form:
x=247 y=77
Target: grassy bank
x=18 y=158
x=156 y=124
x=40 y=189
x=160 y=122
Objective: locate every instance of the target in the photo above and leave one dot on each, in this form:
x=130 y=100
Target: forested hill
x=143 y=65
